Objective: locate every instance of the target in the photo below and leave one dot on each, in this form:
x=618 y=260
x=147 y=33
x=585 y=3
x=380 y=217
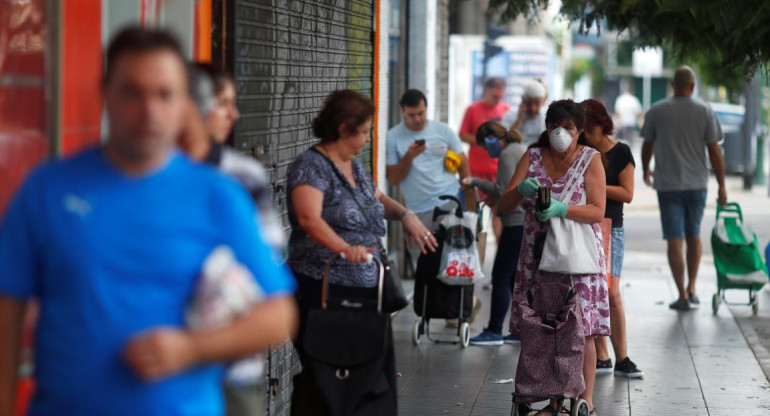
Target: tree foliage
x=738 y=31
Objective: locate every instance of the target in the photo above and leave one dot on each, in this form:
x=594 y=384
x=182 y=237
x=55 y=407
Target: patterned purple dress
x=591 y=289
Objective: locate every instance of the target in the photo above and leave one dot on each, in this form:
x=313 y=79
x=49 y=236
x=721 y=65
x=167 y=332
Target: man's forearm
x=717 y=164
x=468 y=138
x=465 y=168
x=396 y=173
x=647 y=149
x=268 y=323
x=10 y=336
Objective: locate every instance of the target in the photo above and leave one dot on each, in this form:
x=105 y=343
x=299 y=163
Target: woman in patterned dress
x=550 y=162
x=335 y=208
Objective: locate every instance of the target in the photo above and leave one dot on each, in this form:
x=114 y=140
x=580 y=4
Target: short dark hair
x=347 y=107
x=491 y=83
x=134 y=39
x=219 y=77
x=412 y=98
x=559 y=111
x=494 y=129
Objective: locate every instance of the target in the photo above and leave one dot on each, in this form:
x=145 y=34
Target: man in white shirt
x=415 y=153
x=629 y=116
x=529 y=118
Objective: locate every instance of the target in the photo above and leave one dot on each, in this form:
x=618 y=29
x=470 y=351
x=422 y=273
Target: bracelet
x=405 y=213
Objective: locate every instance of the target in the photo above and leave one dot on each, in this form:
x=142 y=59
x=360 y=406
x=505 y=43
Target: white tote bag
x=570 y=246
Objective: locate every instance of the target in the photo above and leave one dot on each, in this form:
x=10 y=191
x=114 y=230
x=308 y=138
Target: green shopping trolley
x=737 y=257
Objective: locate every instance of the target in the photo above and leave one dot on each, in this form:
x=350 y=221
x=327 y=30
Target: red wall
x=24 y=129
x=81 y=74
x=23 y=141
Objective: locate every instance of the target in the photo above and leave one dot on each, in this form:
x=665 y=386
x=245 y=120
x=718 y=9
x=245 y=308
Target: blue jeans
x=504 y=275
x=681 y=212
x=617 y=249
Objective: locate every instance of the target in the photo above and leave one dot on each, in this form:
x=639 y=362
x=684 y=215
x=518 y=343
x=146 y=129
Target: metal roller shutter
x=288 y=56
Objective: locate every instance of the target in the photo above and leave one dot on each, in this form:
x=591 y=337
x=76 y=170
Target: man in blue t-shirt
x=112 y=242
x=415 y=153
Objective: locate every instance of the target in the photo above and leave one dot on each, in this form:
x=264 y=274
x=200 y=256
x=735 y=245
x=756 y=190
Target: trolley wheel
x=579 y=408
x=715 y=301
x=465 y=334
x=417 y=332
x=755 y=307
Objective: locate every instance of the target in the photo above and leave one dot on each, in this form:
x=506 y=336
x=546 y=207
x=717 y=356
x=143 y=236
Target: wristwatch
x=405 y=213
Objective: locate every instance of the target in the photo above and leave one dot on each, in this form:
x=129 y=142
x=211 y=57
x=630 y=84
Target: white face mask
x=560 y=139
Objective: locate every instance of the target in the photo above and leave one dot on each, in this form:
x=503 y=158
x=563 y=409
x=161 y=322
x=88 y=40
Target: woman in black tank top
x=619 y=171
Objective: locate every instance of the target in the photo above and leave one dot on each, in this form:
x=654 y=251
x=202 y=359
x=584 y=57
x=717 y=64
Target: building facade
x=286 y=56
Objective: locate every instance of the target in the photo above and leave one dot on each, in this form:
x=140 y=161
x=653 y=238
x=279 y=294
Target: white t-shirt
x=427 y=178
x=628 y=108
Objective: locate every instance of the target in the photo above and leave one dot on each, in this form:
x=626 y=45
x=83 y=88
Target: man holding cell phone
x=415 y=153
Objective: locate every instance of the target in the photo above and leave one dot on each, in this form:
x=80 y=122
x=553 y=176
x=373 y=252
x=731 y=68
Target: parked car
x=730 y=117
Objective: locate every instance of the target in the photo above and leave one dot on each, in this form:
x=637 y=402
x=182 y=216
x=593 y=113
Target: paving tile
x=694 y=363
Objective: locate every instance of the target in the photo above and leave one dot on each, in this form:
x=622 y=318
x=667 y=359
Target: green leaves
x=738 y=31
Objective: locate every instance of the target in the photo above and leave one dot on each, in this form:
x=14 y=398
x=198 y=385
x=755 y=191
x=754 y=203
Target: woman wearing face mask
x=505 y=146
x=550 y=162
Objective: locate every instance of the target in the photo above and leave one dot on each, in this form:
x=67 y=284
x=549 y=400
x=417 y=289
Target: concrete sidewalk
x=694 y=363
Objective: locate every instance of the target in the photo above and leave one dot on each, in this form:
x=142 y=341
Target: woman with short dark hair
x=335 y=208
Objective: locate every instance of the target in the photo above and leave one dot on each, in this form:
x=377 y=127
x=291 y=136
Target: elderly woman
x=504 y=145
x=550 y=162
x=335 y=208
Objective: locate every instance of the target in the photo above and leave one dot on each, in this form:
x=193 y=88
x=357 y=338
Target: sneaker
x=512 y=339
x=627 y=368
x=680 y=305
x=487 y=338
x=694 y=301
x=603 y=366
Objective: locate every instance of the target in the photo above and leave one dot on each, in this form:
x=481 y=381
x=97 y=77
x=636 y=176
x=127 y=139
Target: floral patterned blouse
x=358 y=223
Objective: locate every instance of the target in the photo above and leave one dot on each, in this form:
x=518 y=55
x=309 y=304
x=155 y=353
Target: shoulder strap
x=572 y=184
x=345 y=182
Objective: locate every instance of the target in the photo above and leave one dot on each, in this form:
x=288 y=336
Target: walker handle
x=369 y=257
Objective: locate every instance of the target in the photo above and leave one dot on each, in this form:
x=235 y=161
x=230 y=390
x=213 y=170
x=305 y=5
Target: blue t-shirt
x=111 y=256
x=428 y=178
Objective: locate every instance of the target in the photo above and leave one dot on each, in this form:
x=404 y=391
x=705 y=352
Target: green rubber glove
x=528 y=187
x=556 y=209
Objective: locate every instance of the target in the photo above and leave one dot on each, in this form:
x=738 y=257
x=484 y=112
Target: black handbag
x=346 y=342
x=393 y=296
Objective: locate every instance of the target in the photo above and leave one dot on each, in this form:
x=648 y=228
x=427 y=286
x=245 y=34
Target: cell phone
x=420 y=142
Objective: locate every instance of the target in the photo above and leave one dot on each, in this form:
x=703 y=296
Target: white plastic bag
x=226 y=290
x=460 y=263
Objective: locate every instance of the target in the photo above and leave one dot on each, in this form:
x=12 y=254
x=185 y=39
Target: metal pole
x=759 y=172
x=646 y=91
